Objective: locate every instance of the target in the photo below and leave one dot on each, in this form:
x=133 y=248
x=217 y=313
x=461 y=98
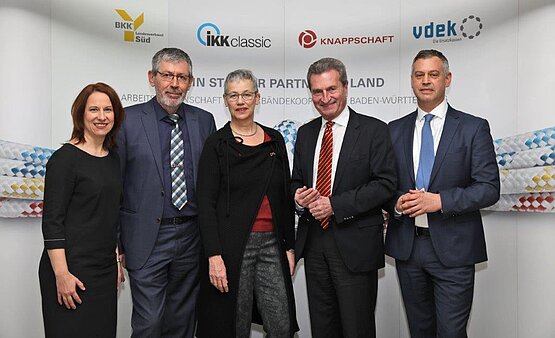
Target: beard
x=168 y=102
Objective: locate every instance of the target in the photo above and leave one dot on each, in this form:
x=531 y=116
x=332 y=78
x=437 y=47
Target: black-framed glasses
x=168 y=77
x=246 y=96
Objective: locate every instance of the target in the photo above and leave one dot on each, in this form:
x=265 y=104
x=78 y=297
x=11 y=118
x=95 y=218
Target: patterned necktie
x=426 y=155
x=179 y=186
x=323 y=180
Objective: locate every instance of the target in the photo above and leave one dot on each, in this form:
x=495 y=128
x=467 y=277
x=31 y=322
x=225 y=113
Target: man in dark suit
x=343 y=171
x=447 y=172
x=159 y=147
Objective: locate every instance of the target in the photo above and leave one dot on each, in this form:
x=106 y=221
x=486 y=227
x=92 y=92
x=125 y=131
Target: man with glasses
x=343 y=171
x=159 y=147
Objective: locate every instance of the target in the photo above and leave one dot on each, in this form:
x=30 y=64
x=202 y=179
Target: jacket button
x=162 y=193
x=158 y=220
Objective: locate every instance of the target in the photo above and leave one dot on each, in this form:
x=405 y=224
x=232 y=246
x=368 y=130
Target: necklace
x=245 y=135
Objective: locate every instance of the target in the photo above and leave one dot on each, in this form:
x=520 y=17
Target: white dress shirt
x=436 y=124
x=338 y=131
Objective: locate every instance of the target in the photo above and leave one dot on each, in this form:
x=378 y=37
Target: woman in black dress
x=247 y=223
x=79 y=269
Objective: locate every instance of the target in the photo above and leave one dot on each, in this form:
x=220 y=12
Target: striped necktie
x=179 y=186
x=323 y=180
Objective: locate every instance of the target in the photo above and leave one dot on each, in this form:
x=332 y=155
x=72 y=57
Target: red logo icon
x=307 y=38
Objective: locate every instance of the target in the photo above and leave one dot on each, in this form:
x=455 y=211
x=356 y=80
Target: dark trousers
x=262 y=276
x=165 y=289
x=341 y=303
x=437 y=298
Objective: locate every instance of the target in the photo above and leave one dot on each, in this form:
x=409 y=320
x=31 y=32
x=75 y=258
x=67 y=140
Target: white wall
x=25 y=115
x=514 y=295
x=535 y=234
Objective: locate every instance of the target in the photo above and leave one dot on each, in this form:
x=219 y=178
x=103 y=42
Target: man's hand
x=418 y=202
x=304 y=196
x=321 y=208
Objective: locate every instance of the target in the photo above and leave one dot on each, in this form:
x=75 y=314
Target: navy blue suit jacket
x=465 y=174
x=142 y=175
x=364 y=181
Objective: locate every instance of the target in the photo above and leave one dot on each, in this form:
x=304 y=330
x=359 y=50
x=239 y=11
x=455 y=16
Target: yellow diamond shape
x=129 y=36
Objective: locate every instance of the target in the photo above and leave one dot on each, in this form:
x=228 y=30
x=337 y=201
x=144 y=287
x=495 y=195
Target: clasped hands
x=309 y=198
x=418 y=202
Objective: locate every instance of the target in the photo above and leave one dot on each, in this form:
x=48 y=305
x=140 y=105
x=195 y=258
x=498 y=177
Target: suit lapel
x=314 y=130
x=150 y=125
x=191 y=118
x=349 y=140
x=408 y=141
x=449 y=128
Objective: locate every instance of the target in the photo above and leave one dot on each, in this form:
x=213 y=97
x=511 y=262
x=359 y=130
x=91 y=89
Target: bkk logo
x=130 y=25
x=210 y=35
x=309 y=39
x=449 y=31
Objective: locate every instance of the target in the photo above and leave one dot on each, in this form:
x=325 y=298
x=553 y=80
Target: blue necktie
x=426 y=155
x=179 y=186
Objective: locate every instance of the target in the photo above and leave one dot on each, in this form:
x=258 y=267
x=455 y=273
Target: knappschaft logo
x=309 y=39
x=130 y=27
x=210 y=35
x=469 y=27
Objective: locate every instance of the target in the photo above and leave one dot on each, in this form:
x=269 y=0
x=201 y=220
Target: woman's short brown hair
x=78 y=113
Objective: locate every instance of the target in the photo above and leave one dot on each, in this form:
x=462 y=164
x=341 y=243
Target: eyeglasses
x=247 y=96
x=168 y=77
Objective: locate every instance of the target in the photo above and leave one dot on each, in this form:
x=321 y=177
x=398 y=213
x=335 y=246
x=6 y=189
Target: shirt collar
x=439 y=111
x=342 y=119
x=162 y=114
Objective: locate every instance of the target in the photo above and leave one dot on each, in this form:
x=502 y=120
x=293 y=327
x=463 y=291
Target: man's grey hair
x=324 y=65
x=172 y=55
x=430 y=53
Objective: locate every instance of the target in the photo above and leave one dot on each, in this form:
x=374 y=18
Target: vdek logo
x=309 y=39
x=210 y=35
x=470 y=28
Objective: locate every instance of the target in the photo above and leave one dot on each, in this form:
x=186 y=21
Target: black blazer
x=466 y=175
x=364 y=180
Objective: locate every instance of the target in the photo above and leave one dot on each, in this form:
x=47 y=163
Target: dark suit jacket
x=364 y=180
x=466 y=176
x=142 y=175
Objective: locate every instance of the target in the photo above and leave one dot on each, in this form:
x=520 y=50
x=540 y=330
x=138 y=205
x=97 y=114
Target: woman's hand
x=217 y=273
x=291 y=260
x=121 y=264
x=67 y=294
x=65 y=281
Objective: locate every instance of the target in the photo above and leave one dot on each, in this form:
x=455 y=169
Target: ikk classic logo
x=130 y=28
x=210 y=35
x=469 y=27
x=309 y=39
